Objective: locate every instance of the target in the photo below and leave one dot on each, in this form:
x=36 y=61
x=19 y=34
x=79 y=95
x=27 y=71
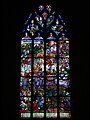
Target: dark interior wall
x=14 y=15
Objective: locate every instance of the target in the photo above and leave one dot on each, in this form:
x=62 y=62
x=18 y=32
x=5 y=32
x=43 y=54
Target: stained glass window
x=44 y=78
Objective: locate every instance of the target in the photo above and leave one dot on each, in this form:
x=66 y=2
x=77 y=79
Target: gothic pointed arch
x=44 y=78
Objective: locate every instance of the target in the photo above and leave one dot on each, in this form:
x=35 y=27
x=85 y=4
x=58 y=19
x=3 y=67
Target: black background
x=76 y=15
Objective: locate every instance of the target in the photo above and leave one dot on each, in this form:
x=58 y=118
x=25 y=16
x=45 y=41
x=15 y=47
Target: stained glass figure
x=48 y=7
x=39 y=19
x=64 y=105
x=45 y=15
x=39 y=46
x=50 y=20
x=26 y=47
x=41 y=7
x=25 y=106
x=32 y=28
x=26 y=65
x=25 y=86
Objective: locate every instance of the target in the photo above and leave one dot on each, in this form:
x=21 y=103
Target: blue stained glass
x=60 y=16
x=23 y=30
x=28 y=19
x=51 y=37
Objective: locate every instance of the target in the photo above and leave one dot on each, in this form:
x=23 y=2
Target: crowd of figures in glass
x=44 y=77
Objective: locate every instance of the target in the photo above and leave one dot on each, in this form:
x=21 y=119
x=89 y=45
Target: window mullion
x=45 y=72
x=32 y=78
